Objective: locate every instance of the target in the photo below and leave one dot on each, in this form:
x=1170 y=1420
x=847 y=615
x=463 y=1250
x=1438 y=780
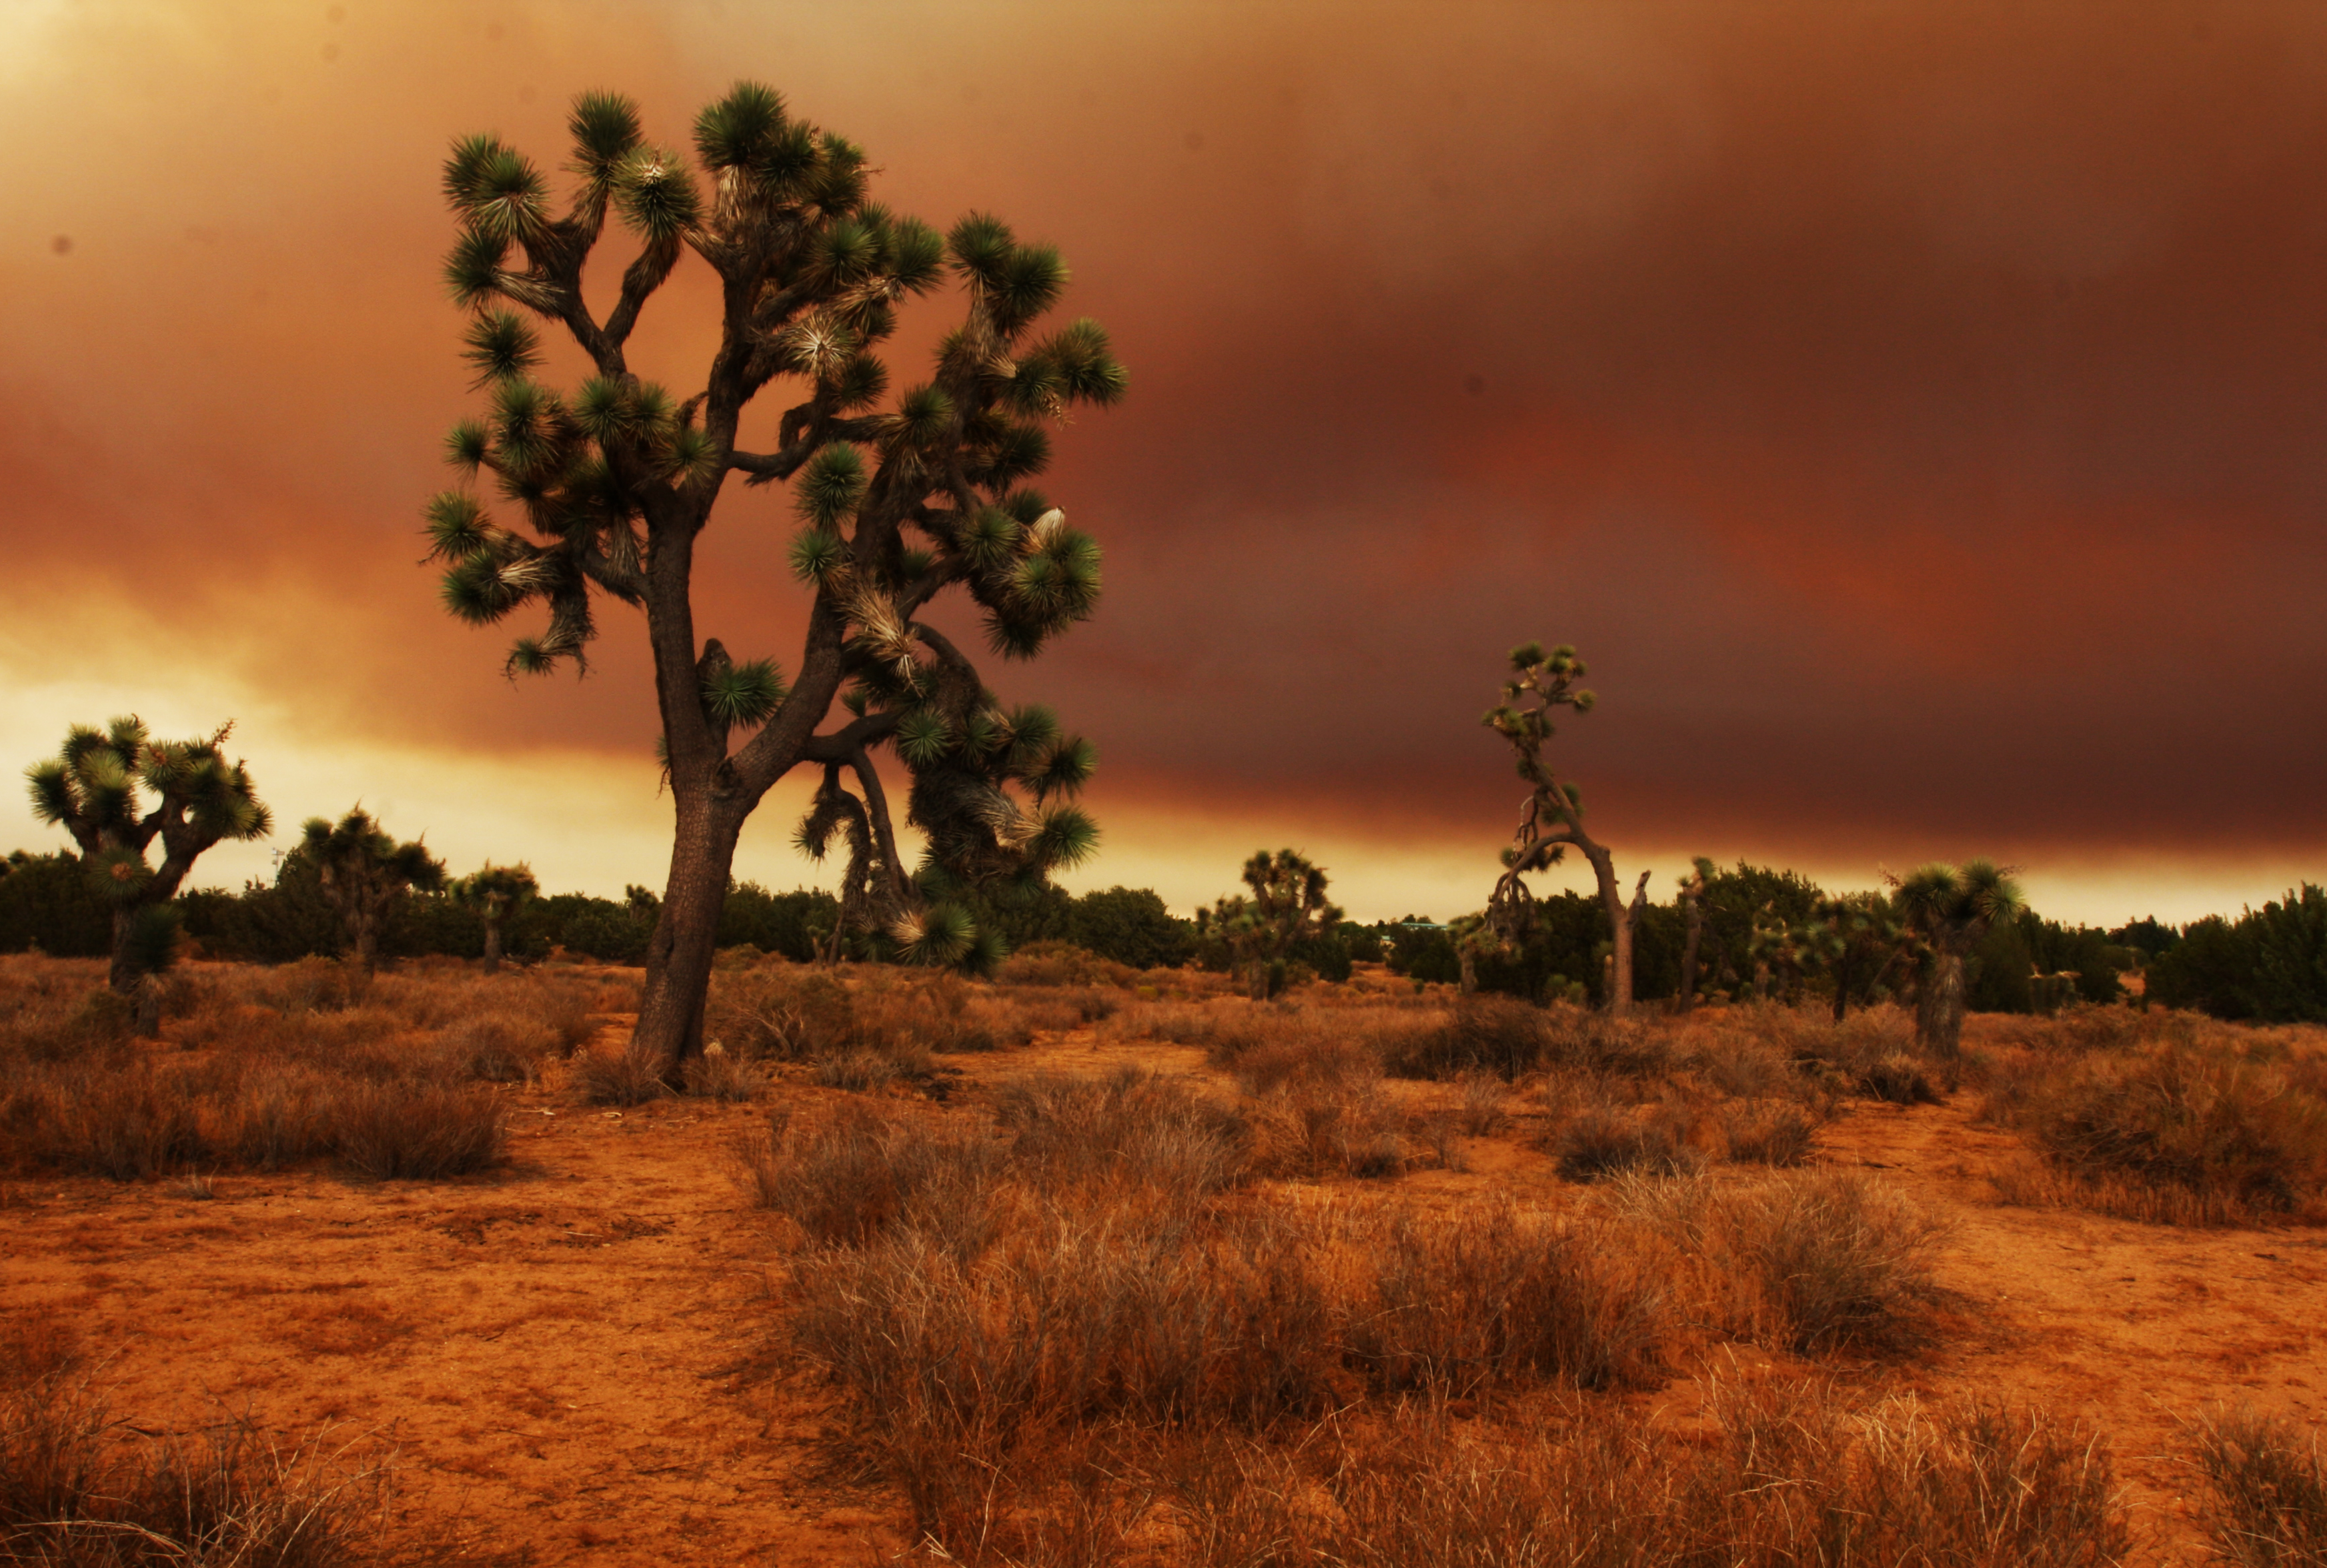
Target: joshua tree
x=1287 y=905
x=1692 y=900
x=90 y=790
x=1552 y=819
x=899 y=498
x=494 y=892
x=1951 y=908
x=363 y=872
x=1856 y=938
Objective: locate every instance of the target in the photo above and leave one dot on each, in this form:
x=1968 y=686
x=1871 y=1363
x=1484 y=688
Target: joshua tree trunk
x=1688 y=956
x=1463 y=956
x=368 y=943
x=1939 y=1010
x=687 y=933
x=1621 y=921
x=492 y=944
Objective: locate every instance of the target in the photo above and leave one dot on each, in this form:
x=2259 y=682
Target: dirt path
x=556 y=1351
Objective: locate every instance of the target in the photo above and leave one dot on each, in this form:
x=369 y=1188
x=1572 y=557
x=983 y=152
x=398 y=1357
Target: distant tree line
x=2266 y=965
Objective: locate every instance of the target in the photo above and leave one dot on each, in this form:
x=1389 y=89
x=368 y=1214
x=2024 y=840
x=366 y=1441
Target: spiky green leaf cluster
x=740 y=695
x=496 y=890
x=362 y=865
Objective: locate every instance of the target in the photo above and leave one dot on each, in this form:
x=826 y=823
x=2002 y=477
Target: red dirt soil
x=567 y=1357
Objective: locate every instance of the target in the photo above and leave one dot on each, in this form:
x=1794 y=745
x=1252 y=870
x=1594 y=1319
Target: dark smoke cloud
x=1914 y=412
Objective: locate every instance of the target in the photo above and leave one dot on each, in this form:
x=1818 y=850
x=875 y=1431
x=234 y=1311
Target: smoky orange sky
x=1917 y=413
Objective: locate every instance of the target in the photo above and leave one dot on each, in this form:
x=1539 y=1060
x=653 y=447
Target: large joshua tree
x=90 y=790
x=1951 y=908
x=1551 y=819
x=899 y=498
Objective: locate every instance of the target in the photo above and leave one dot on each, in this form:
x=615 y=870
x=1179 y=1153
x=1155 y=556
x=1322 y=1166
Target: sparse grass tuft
x=2267 y=1486
x=418 y=1131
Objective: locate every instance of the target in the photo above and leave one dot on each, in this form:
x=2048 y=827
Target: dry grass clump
x=75 y=1492
x=1786 y=1476
x=620 y=1076
x=265 y=1068
x=1129 y=1129
x=1503 y=1295
x=2267 y=1504
x=2175 y=1134
x=853 y=1179
x=418 y=1132
x=1609 y=1140
x=1811 y=1261
x=1062 y=964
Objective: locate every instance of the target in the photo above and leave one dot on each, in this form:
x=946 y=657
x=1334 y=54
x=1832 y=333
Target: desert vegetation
x=1086 y=1262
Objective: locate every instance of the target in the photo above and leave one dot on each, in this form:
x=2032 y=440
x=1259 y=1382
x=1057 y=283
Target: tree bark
x=1621 y=920
x=1939 y=1012
x=123 y=976
x=1688 y=956
x=686 y=933
x=493 y=944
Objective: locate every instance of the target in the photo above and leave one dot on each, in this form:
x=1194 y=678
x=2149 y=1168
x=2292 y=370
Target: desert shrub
x=1785 y=1477
x=418 y=1132
x=857 y=1178
x=1604 y=1140
x=1482 y=1114
x=719 y=1074
x=2266 y=1491
x=75 y=1492
x=282 y=1115
x=617 y=1077
x=2226 y=1130
x=1495 y=1034
x=1127 y=1129
x=1767 y=1133
x=957 y=1368
x=1054 y=963
x=1505 y=1295
x=1813 y=1261
x=857 y=1070
x=1320 y=1126
x=129 y=1123
x=786 y=1015
x=502 y=1047
x=1898 y=1080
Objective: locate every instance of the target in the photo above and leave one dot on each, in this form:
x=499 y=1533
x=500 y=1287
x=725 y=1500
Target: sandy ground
x=566 y=1357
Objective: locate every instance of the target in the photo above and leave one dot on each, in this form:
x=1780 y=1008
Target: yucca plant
x=496 y=891
x=1542 y=683
x=1951 y=907
x=364 y=873
x=1288 y=904
x=91 y=789
x=898 y=497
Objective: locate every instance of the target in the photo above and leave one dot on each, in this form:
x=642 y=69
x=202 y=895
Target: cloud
x=1916 y=423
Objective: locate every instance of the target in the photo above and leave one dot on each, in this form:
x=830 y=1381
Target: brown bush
x=1767 y=1133
x=857 y=1178
x=1505 y=1295
x=2266 y=1491
x=1813 y=1261
x=418 y=1132
x=1050 y=963
x=1127 y=1129
x=1785 y=1478
x=75 y=1490
x=1605 y=1140
x=719 y=1074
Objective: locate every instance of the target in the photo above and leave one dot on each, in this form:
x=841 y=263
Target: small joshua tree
x=1288 y=904
x=1692 y=901
x=899 y=498
x=496 y=891
x=1552 y=818
x=363 y=872
x=1857 y=939
x=1951 y=908
x=90 y=790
